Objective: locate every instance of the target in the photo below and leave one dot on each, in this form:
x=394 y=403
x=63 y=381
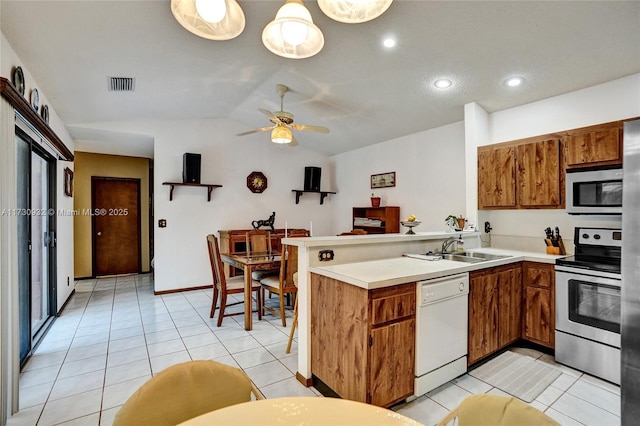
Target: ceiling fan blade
x=266 y=112
x=294 y=141
x=308 y=128
x=262 y=129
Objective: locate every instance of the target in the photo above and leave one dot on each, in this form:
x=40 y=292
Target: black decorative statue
x=257 y=224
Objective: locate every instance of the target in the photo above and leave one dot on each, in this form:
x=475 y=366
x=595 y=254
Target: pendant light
x=281 y=134
x=354 y=11
x=292 y=34
x=210 y=19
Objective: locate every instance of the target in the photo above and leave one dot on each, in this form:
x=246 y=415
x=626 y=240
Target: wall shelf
x=323 y=194
x=209 y=187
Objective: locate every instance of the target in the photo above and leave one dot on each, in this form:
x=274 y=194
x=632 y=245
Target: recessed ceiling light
x=514 y=81
x=443 y=83
x=389 y=42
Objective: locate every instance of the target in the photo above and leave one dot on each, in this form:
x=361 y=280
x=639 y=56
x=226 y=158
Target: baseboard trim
x=66 y=302
x=308 y=382
x=179 y=290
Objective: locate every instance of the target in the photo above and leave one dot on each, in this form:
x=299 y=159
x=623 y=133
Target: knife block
x=560 y=250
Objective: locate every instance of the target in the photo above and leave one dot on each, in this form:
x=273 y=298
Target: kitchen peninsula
x=368 y=271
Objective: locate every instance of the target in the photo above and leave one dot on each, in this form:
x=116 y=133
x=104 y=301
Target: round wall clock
x=257 y=182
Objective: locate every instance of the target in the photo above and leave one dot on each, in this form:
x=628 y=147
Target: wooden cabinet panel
x=483 y=316
x=509 y=306
x=363 y=342
x=538 y=179
x=539 y=296
x=496 y=177
x=392 y=362
x=389 y=308
x=594 y=147
x=339 y=336
x=495 y=309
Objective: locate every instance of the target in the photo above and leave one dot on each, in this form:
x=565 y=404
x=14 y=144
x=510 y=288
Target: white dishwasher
x=441 y=331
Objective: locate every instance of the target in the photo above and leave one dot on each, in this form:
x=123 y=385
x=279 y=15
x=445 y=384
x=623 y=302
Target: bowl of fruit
x=410 y=223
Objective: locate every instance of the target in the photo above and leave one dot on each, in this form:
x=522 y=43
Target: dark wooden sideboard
x=234 y=241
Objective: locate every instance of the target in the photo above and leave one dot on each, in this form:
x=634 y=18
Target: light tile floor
x=114 y=334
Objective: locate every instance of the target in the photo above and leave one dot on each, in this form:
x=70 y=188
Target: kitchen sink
x=472 y=257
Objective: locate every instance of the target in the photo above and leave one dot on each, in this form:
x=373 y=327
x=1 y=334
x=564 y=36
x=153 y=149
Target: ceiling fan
x=283 y=123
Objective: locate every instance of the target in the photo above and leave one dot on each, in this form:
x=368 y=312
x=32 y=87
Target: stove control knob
x=596 y=236
x=585 y=236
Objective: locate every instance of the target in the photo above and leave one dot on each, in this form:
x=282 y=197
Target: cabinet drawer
x=392 y=306
x=539 y=275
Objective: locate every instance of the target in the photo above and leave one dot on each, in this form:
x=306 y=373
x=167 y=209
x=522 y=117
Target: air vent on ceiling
x=122 y=84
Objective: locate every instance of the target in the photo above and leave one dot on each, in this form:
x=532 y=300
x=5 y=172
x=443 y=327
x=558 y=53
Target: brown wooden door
x=539 y=174
x=510 y=306
x=115 y=225
x=483 y=315
x=539 y=315
x=496 y=177
x=392 y=365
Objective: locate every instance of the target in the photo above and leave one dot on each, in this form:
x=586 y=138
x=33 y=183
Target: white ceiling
x=363 y=92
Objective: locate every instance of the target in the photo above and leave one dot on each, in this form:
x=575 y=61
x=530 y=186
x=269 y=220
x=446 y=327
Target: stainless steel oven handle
x=599 y=277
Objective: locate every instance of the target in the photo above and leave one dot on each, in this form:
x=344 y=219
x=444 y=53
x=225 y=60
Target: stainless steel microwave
x=594 y=191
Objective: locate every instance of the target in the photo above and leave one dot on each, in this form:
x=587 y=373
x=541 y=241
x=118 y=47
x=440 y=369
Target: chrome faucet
x=447 y=243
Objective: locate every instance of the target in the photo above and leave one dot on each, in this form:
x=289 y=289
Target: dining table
x=250 y=262
x=310 y=411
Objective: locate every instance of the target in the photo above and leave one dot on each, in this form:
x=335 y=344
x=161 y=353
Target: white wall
x=181 y=258
x=430 y=177
x=611 y=101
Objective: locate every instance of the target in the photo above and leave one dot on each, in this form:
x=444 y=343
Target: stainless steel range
x=588 y=304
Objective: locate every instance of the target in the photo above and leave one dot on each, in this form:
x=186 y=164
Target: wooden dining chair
x=294 y=233
x=354 y=232
x=294 y=324
x=223 y=287
x=283 y=284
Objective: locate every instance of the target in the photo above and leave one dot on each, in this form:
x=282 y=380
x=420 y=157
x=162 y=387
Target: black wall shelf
x=209 y=187
x=323 y=194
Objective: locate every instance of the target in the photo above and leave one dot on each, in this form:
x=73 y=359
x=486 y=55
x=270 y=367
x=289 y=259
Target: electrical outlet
x=325 y=255
x=487 y=227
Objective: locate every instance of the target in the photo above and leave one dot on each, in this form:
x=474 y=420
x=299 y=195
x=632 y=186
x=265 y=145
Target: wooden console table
x=235 y=241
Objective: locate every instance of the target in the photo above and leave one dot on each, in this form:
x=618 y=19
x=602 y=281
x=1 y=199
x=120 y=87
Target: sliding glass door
x=36 y=239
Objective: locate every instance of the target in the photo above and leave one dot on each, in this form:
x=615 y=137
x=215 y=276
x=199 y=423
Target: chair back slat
x=217 y=270
x=258 y=241
x=288 y=266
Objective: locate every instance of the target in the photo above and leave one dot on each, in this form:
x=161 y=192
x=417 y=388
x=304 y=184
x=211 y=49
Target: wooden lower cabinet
x=363 y=341
x=539 y=300
x=495 y=309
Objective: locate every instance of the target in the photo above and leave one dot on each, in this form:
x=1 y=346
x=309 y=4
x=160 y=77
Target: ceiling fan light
x=230 y=25
x=354 y=11
x=292 y=34
x=281 y=134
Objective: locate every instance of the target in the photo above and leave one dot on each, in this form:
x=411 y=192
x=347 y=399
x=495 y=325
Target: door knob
x=99 y=233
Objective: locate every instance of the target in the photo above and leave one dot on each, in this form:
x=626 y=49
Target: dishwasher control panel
x=443 y=288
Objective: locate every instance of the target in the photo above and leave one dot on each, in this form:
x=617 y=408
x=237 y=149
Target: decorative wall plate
x=17 y=78
x=45 y=113
x=35 y=99
x=257 y=182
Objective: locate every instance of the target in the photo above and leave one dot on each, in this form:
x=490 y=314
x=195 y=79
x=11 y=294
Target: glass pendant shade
x=210 y=19
x=292 y=34
x=281 y=134
x=354 y=11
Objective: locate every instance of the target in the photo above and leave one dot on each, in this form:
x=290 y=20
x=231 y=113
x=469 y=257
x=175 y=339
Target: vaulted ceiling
x=365 y=93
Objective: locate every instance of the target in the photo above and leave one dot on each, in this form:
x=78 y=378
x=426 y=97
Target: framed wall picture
x=68 y=182
x=383 y=180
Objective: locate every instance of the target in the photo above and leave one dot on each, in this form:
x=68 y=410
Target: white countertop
x=373 y=238
x=398 y=270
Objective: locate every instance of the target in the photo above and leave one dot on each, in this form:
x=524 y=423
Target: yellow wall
x=87 y=165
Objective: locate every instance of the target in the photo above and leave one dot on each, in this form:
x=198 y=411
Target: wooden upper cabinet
x=593 y=147
x=496 y=177
x=538 y=178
